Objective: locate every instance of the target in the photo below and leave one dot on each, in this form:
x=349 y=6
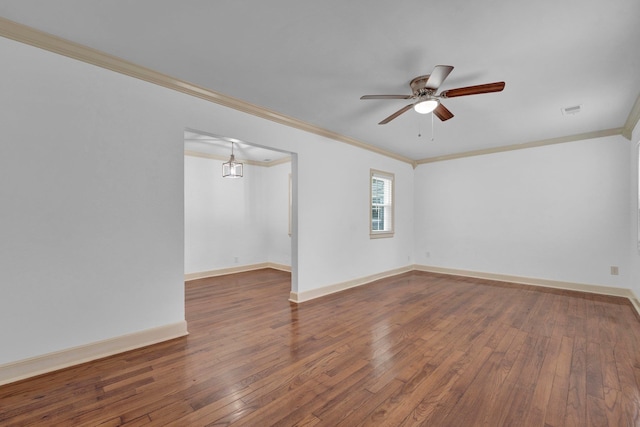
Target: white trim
x=232 y=270
x=280 y=267
x=634 y=301
x=636 y=198
x=26 y=368
x=25 y=34
x=571 y=286
x=277 y=162
x=299 y=297
x=380 y=234
x=388 y=176
x=532 y=144
x=31 y=36
x=271 y=163
x=338 y=287
x=632 y=120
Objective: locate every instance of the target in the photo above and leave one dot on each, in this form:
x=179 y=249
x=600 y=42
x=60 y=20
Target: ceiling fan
x=424 y=96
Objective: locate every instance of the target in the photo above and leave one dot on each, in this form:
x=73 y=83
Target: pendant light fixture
x=232 y=169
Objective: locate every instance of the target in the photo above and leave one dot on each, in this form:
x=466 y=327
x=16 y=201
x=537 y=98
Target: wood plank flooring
x=414 y=349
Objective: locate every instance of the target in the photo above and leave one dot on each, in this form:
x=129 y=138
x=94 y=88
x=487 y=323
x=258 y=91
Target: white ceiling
x=312 y=60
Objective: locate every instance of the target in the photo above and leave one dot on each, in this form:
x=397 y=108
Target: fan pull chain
x=420 y=128
x=432 y=126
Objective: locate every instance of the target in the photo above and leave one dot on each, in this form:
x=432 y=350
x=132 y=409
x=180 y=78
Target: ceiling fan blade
x=385 y=97
x=396 y=114
x=473 y=90
x=439 y=73
x=442 y=112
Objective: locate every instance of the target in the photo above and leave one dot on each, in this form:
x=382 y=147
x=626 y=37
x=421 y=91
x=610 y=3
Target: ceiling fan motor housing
x=418 y=86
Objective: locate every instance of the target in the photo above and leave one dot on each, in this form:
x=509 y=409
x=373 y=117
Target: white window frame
x=290 y=205
x=638 y=190
x=388 y=206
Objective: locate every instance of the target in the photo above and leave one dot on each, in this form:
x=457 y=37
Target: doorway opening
x=240 y=224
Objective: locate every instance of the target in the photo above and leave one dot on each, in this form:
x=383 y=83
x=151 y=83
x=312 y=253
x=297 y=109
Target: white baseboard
x=232 y=270
x=299 y=297
x=26 y=368
x=15 y=371
x=280 y=267
x=571 y=286
x=635 y=301
x=582 y=287
x=338 y=287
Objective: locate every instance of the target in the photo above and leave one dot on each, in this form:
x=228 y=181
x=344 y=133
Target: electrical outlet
x=235 y=259
x=427 y=254
x=614 y=270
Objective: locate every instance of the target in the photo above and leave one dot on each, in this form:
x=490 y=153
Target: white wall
x=92 y=190
x=557 y=212
x=92 y=218
x=235 y=222
x=91 y=221
x=334 y=215
x=276 y=190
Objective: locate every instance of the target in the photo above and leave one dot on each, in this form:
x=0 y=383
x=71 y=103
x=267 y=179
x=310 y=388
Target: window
x=381 y=212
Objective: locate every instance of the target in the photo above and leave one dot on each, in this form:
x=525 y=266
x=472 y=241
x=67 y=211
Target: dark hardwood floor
x=415 y=349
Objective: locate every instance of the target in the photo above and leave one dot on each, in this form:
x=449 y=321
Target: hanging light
x=232 y=169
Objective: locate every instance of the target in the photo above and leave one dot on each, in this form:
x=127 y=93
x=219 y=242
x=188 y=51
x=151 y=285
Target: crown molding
x=277 y=162
x=632 y=120
x=245 y=161
x=541 y=143
x=24 y=34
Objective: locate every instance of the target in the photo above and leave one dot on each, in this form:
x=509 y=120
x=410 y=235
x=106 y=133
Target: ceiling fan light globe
x=427 y=106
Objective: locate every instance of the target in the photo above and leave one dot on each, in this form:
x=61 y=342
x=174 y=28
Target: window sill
x=382 y=235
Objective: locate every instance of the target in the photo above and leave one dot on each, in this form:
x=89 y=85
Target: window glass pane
x=377 y=218
x=381 y=202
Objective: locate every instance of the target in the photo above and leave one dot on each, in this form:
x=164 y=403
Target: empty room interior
x=320 y=213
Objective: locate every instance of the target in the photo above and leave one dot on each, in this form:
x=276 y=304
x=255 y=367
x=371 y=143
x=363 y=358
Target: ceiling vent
x=569 y=111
